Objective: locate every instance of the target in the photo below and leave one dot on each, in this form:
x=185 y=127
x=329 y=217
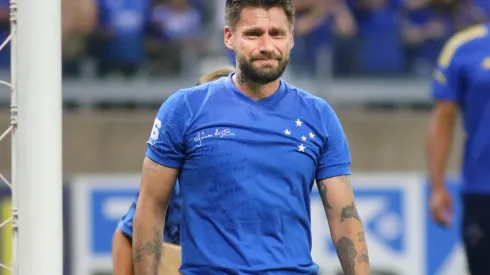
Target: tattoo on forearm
x=323 y=194
x=151 y=248
x=349 y=211
x=360 y=237
x=363 y=257
x=347 y=255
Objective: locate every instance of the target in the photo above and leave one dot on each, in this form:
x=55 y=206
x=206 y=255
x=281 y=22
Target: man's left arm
x=333 y=181
x=345 y=224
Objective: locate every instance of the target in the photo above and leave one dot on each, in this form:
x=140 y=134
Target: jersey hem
x=164 y=162
x=333 y=171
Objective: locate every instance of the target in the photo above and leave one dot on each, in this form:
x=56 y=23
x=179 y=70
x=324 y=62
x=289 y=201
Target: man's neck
x=254 y=90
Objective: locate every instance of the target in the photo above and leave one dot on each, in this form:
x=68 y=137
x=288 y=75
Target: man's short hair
x=234 y=9
x=216 y=74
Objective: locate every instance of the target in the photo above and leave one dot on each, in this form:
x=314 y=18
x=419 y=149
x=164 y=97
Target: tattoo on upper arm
x=347 y=253
x=346 y=180
x=151 y=248
x=151 y=167
x=323 y=193
x=323 y=188
x=349 y=211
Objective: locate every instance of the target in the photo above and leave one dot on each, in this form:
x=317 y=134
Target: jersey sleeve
x=335 y=159
x=126 y=222
x=166 y=142
x=447 y=78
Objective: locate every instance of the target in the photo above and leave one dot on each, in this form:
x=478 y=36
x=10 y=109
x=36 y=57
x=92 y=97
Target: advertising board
x=402 y=238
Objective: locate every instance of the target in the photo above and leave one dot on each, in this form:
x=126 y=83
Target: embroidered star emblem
x=303 y=138
x=287 y=132
x=301 y=148
x=312 y=135
x=299 y=122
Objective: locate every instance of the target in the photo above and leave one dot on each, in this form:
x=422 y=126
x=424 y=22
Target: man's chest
x=280 y=144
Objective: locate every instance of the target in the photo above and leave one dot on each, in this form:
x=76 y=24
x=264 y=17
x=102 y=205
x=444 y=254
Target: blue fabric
x=172 y=220
x=247 y=170
x=465 y=80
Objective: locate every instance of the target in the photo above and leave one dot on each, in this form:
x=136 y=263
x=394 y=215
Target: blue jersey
x=463 y=77
x=172 y=220
x=247 y=170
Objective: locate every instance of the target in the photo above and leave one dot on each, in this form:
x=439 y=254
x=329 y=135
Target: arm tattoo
x=323 y=193
x=347 y=255
x=363 y=257
x=345 y=180
x=349 y=211
x=151 y=248
x=360 y=237
x=322 y=186
x=151 y=168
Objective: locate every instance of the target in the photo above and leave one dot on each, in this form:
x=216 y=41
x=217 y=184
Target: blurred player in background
x=462 y=84
x=246 y=150
x=121 y=243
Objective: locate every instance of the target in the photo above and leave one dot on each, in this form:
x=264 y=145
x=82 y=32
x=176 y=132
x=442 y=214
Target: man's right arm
x=447 y=89
x=447 y=92
x=439 y=141
x=157 y=183
x=164 y=158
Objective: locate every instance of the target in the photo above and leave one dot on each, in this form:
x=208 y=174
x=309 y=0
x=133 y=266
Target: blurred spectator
x=323 y=25
x=344 y=29
x=484 y=6
x=176 y=31
x=4 y=33
x=381 y=50
x=79 y=20
x=119 y=42
x=341 y=37
x=463 y=13
x=424 y=31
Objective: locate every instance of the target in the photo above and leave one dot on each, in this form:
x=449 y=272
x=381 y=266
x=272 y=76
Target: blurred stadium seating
x=371 y=59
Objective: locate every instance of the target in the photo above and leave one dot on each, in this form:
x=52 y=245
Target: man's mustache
x=266 y=57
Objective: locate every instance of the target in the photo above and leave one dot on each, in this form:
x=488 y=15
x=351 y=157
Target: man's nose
x=266 y=43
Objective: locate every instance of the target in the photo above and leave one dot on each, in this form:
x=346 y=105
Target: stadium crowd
x=350 y=37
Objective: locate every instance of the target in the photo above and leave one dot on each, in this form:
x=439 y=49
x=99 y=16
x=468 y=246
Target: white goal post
x=36 y=110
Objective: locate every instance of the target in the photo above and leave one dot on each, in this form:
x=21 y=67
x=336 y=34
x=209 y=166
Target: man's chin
x=265 y=78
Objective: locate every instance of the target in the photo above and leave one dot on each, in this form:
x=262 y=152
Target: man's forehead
x=260 y=18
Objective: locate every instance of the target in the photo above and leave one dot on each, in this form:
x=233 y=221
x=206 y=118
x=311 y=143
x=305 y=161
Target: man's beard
x=262 y=75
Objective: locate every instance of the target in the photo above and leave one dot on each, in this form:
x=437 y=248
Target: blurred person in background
x=246 y=150
x=461 y=84
x=424 y=31
x=79 y=20
x=324 y=25
x=119 y=42
x=462 y=13
x=176 y=31
x=4 y=33
x=380 y=50
x=121 y=243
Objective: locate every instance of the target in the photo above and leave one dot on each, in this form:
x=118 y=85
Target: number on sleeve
x=155 y=131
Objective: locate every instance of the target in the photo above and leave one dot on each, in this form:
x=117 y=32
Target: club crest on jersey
x=201 y=135
x=305 y=136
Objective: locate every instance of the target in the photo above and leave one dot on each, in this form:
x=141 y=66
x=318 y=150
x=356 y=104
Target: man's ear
x=228 y=37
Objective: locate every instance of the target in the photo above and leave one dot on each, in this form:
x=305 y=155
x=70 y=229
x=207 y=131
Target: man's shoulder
x=203 y=90
x=309 y=99
x=193 y=97
x=467 y=41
